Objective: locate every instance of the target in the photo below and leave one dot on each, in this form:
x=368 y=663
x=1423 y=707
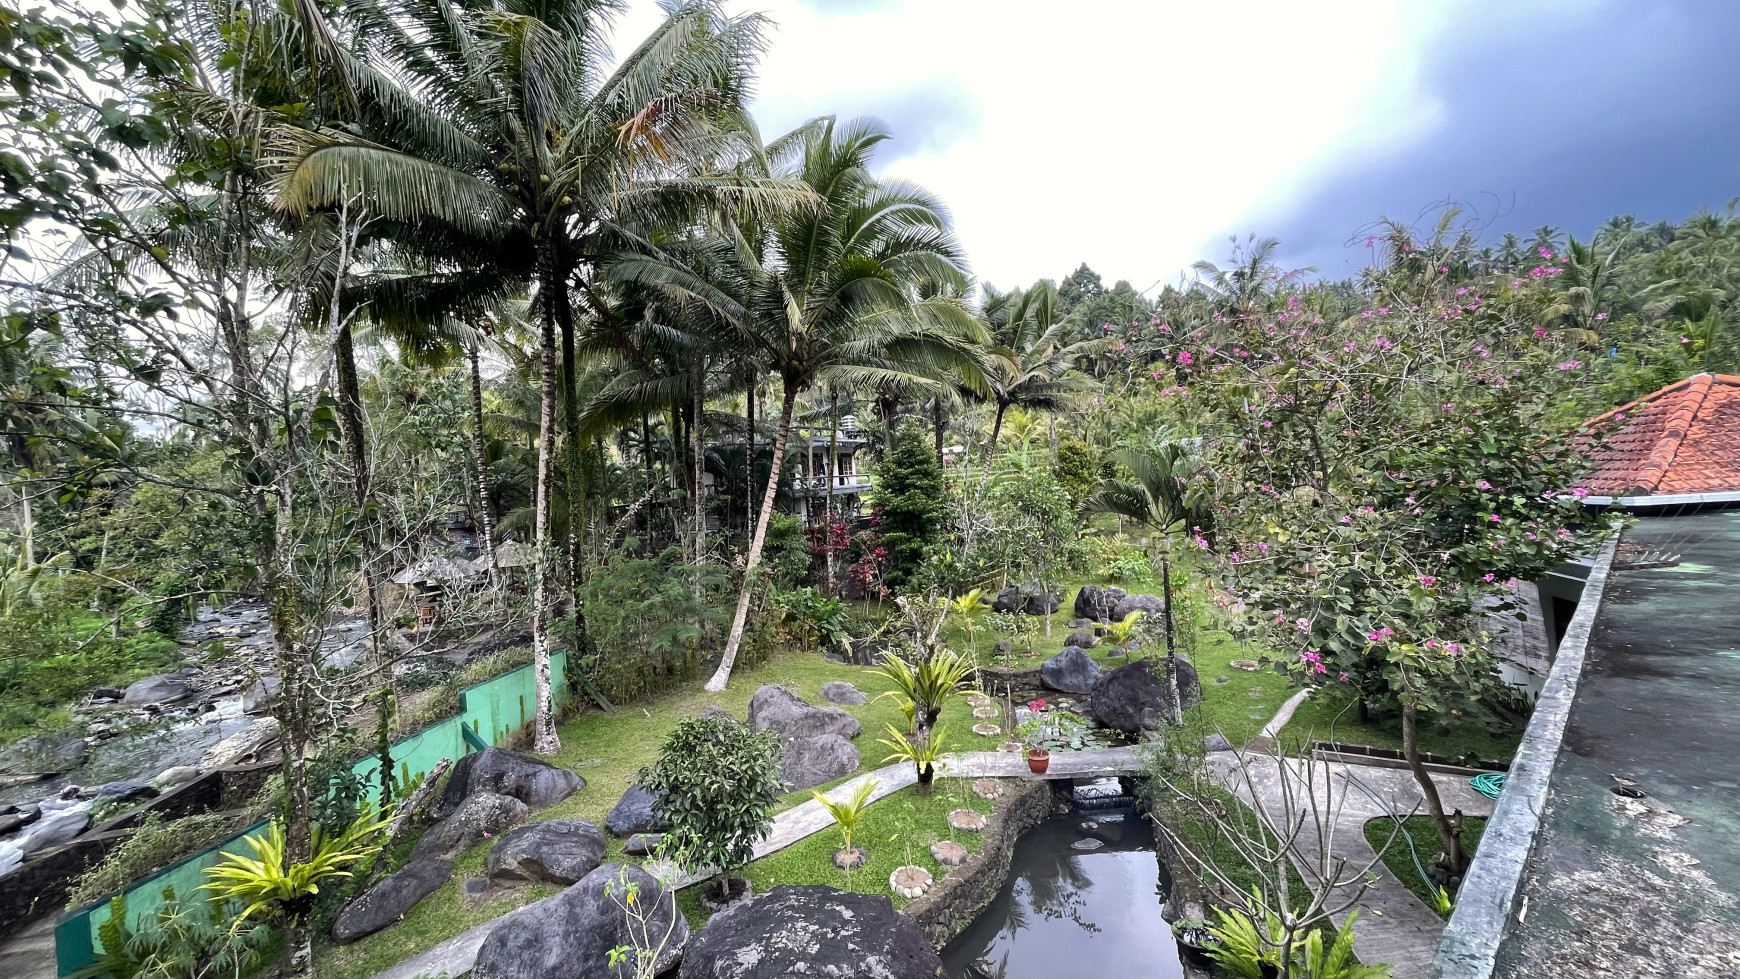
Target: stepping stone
x=1248 y=665
x=1087 y=844
x=948 y=853
x=967 y=821
x=1222 y=679
x=909 y=881
x=850 y=859
x=987 y=730
x=977 y=699
x=987 y=788
x=1014 y=747
x=985 y=713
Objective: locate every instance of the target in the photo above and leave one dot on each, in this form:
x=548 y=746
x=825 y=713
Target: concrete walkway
x=1394 y=926
x=454 y=957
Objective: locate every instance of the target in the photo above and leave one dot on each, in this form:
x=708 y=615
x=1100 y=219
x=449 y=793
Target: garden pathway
x=454 y=957
x=1394 y=926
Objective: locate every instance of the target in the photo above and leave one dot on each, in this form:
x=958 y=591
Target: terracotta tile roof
x=1684 y=438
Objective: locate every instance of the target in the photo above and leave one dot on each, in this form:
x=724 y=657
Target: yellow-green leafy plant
x=270 y=885
x=923 y=753
x=848 y=813
x=1247 y=950
x=1123 y=631
x=927 y=683
x=971 y=609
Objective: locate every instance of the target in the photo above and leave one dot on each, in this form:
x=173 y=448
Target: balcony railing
x=843 y=483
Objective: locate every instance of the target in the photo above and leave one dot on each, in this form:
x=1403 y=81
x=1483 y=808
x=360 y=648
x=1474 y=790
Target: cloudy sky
x=1137 y=136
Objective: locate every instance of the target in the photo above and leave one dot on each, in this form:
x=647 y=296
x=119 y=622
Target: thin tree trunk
x=698 y=401
x=545 y=741
x=781 y=433
x=833 y=467
x=1447 y=835
x=991 y=446
x=749 y=475
x=350 y=421
x=1171 y=648
x=936 y=421
x=571 y=433
x=480 y=458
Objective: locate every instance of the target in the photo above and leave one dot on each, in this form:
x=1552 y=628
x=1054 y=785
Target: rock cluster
x=818 y=746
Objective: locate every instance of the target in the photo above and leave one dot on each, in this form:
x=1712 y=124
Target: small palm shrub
x=922 y=752
x=191 y=941
x=1246 y=949
x=926 y=684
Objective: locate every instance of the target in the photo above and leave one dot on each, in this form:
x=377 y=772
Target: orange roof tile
x=1684 y=438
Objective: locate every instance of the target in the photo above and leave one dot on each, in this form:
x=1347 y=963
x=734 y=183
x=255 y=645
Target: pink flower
x=1185 y=358
x=1427 y=581
x=1037 y=705
x=1488 y=577
x=1344 y=677
x=1579 y=492
x=1304 y=625
x=1493 y=518
x=1483 y=484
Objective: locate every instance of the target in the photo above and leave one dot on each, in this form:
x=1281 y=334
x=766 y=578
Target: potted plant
x=1038 y=760
x=1194 y=939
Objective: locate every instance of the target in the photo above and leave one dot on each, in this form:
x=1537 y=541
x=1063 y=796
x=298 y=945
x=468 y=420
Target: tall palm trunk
x=781 y=434
x=698 y=448
x=937 y=424
x=833 y=469
x=749 y=474
x=480 y=459
x=350 y=423
x=991 y=446
x=577 y=520
x=545 y=741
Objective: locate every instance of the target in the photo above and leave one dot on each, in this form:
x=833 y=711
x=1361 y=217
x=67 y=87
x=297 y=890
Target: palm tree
x=1510 y=251
x=826 y=294
x=1248 y=287
x=1029 y=363
x=507 y=145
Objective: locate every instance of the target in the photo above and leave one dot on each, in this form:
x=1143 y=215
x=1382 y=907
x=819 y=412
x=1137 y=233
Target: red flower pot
x=1038 y=760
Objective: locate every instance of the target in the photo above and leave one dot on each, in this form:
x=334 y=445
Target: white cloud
x=1128 y=135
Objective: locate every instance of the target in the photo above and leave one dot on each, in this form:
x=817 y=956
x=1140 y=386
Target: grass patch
x=1399 y=859
x=1330 y=712
x=609 y=750
x=890 y=825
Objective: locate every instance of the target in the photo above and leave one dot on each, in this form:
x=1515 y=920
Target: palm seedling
x=1122 y=632
x=848 y=813
x=970 y=608
x=926 y=684
x=923 y=753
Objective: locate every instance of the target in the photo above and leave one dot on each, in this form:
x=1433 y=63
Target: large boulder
x=1096 y=603
x=247 y=745
x=1071 y=671
x=1083 y=638
x=163 y=689
x=1152 y=605
x=483 y=815
x=571 y=935
x=260 y=695
x=788 y=715
x=636 y=812
x=1028 y=599
x=53 y=829
x=560 y=851
x=810 y=930
x=384 y=903
x=841 y=692
x=533 y=781
x=1136 y=698
x=808 y=762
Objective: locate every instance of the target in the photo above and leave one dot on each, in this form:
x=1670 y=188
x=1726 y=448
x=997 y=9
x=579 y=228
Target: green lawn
x=1329 y=714
x=1399 y=859
x=608 y=750
x=903 y=823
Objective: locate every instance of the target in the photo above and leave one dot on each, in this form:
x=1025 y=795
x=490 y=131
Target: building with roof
x=1612 y=849
x=1679 y=446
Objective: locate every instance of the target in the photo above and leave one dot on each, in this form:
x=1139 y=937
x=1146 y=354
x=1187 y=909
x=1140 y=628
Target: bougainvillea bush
x=1380 y=479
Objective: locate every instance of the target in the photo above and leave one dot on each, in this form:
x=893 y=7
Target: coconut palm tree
x=827 y=294
x=510 y=145
x=1029 y=363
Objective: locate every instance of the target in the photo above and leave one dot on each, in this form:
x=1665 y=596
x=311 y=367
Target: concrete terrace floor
x=1646 y=886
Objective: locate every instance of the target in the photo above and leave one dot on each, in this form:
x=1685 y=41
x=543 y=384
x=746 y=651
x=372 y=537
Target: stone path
x=1394 y=926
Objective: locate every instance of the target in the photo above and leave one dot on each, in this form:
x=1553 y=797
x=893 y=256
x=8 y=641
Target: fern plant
x=1245 y=949
x=178 y=941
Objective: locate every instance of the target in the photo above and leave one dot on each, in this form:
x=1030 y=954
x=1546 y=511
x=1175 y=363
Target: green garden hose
x=1489 y=784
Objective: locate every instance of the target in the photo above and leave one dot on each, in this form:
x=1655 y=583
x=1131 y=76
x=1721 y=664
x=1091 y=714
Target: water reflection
x=1066 y=912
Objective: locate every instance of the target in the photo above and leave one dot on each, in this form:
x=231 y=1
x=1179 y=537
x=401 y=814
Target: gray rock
x=44 y=755
x=533 y=781
x=1088 y=844
x=1028 y=599
x=1081 y=623
x=482 y=815
x=808 y=762
x=571 y=935
x=260 y=695
x=1216 y=742
x=788 y=715
x=126 y=791
x=52 y=830
x=841 y=692
x=560 y=851
x=1135 y=698
x=163 y=689
x=178 y=775
x=809 y=930
x=643 y=844
x=108 y=693
x=1071 y=671
x=14 y=820
x=382 y=904
x=1083 y=638
x=636 y=812
x=245 y=745
x=1095 y=603
x=1152 y=605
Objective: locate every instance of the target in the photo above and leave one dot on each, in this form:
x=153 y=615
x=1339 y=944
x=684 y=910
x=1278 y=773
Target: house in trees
x=825 y=462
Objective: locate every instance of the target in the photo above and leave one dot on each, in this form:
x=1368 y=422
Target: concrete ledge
x=1484 y=905
x=952 y=904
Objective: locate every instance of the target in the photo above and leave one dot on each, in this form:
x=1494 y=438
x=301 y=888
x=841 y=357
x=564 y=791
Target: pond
x=1063 y=908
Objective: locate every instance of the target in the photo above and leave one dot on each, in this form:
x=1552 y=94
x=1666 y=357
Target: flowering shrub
x=1378 y=480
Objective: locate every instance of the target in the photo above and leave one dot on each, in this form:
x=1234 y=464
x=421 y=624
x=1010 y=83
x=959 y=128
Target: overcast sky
x=1137 y=136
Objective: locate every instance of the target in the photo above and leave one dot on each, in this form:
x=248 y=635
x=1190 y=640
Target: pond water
x=1068 y=912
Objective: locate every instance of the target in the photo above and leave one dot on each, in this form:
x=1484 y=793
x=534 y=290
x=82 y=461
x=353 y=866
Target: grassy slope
x=1400 y=862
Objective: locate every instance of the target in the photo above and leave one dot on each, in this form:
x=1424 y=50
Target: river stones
x=1087 y=845
x=987 y=788
x=948 y=853
x=163 y=689
x=909 y=881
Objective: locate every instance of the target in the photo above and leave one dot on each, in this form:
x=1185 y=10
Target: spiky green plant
x=926 y=684
x=923 y=753
x=848 y=812
x=1124 y=630
x=971 y=609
